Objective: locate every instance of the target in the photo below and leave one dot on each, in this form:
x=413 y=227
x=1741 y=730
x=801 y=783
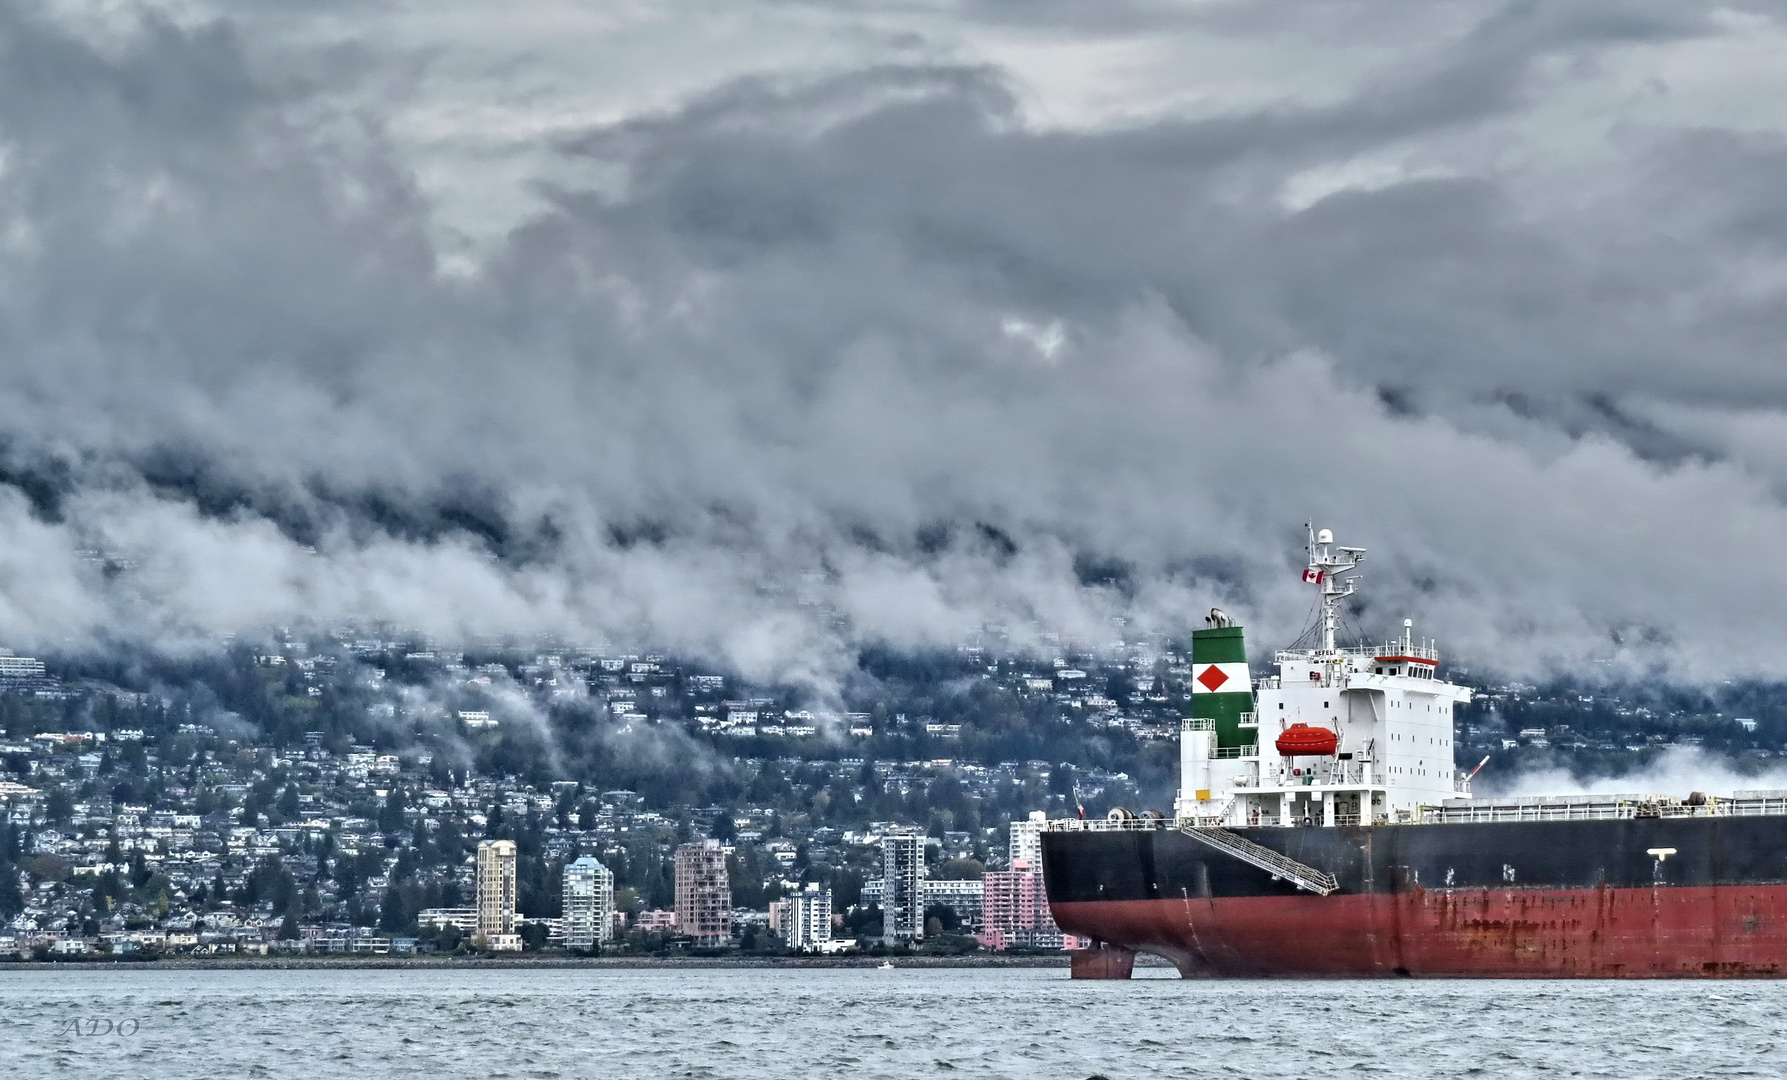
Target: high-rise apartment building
x=806 y=918
x=703 y=893
x=1026 y=840
x=903 y=893
x=1015 y=910
x=588 y=904
x=496 y=895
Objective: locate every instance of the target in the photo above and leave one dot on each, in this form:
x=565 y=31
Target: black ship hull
x=1632 y=897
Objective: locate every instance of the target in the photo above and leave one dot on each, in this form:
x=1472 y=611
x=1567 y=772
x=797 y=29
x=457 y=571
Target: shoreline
x=245 y=963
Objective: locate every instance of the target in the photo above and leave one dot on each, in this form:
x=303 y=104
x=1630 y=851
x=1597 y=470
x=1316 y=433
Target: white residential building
x=806 y=918
x=1026 y=839
x=903 y=894
x=588 y=904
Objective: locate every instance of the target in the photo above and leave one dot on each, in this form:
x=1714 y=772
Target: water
x=862 y=1023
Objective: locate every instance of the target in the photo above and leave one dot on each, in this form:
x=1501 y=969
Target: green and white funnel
x=1221 y=687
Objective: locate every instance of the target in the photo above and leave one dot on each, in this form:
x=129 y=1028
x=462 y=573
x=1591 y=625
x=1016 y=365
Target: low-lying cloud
x=1674 y=772
x=900 y=342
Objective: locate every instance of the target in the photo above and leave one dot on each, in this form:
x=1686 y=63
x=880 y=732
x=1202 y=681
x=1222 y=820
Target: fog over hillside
x=760 y=330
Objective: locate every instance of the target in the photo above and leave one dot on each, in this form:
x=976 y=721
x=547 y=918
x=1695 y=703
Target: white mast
x=1327 y=563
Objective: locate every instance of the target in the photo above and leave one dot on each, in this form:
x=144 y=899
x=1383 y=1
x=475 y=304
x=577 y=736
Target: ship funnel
x=1221 y=686
x=1219 y=618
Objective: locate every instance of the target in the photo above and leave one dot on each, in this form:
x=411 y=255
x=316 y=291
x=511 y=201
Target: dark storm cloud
x=876 y=339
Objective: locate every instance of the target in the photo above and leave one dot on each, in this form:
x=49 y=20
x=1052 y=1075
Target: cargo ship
x=1322 y=828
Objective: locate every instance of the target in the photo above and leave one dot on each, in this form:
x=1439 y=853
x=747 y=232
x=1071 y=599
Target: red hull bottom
x=1103 y=962
x=1663 y=932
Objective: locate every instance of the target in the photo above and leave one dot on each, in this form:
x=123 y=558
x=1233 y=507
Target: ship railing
x=1205 y=723
x=1369 y=652
x=1762 y=807
x=1395 y=648
x=1203 y=821
x=1105 y=824
x=1602 y=808
x=1326 y=773
x=1251 y=750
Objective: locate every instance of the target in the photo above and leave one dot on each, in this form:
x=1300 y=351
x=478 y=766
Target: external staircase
x=1279 y=866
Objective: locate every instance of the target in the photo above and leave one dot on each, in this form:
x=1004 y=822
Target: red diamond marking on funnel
x=1212 y=677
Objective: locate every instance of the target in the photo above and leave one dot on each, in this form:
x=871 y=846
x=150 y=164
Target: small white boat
x=885 y=965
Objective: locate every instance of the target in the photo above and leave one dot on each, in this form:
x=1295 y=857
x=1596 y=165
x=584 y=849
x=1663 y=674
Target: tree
x=944 y=918
x=959 y=870
x=390 y=818
x=394 y=915
x=12 y=901
x=288 y=928
x=724 y=829
x=47 y=867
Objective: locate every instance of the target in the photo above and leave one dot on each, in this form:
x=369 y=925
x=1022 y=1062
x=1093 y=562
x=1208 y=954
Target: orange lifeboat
x=1301 y=740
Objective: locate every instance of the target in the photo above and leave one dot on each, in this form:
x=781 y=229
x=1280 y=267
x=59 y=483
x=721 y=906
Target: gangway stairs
x=1282 y=866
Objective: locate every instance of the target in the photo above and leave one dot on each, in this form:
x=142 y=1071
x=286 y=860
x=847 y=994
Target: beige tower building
x=703 y=893
x=496 y=895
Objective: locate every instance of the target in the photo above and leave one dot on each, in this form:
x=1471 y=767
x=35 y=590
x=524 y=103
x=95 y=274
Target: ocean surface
x=1032 y=1024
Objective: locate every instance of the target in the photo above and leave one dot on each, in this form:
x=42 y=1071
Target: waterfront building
x=588 y=904
x=464 y=920
x=962 y=897
x=965 y=898
x=902 y=883
x=496 y=895
x=806 y=918
x=703 y=893
x=1015 y=911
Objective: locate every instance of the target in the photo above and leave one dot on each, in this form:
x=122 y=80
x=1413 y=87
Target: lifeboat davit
x=1301 y=740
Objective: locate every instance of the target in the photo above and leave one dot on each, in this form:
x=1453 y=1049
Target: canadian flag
x=1314 y=576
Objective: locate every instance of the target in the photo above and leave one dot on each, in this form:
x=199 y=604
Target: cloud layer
x=782 y=328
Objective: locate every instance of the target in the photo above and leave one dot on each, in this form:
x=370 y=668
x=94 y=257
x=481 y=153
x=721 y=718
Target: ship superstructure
x=1339 y=736
x=1321 y=828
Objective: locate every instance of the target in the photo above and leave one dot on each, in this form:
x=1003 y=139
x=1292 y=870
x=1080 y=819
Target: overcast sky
x=687 y=322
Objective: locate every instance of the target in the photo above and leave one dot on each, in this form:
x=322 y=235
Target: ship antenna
x=1328 y=566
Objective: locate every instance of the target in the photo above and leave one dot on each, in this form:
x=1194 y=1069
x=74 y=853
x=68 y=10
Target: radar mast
x=1329 y=564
